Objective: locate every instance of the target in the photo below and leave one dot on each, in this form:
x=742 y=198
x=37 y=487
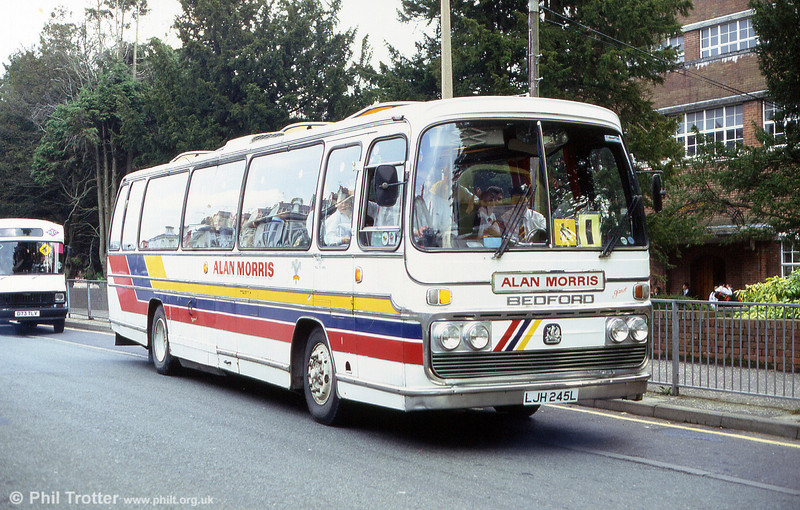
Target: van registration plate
x=26 y=313
x=534 y=398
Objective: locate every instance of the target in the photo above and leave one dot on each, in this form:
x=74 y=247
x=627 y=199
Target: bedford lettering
x=552 y=299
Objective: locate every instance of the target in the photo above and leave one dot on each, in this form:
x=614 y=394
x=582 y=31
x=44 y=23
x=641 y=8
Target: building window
x=774 y=127
x=677 y=43
x=790 y=257
x=727 y=38
x=725 y=125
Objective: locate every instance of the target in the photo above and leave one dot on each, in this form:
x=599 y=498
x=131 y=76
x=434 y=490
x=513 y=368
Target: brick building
x=719 y=88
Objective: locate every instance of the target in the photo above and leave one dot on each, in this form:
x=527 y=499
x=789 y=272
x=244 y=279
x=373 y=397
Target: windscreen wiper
x=612 y=241
x=519 y=209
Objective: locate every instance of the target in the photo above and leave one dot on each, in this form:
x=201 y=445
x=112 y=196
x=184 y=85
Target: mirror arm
x=386 y=185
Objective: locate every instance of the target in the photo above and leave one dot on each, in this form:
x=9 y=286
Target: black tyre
x=319 y=380
x=517 y=411
x=159 y=344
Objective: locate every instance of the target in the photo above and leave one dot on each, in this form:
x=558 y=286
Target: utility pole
x=138 y=8
x=533 y=47
x=447 y=58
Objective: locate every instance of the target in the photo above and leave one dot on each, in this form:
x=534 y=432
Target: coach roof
x=418 y=114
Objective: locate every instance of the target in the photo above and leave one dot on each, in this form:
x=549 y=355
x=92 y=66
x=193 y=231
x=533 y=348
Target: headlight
x=638 y=328
x=60 y=297
x=462 y=336
x=477 y=336
x=617 y=329
x=448 y=336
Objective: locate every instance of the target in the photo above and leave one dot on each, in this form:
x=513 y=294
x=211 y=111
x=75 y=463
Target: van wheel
x=319 y=380
x=58 y=326
x=159 y=344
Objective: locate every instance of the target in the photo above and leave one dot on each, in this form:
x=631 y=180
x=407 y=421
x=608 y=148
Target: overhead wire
x=619 y=43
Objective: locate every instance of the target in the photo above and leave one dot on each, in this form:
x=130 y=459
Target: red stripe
x=341 y=341
x=118 y=264
x=507 y=335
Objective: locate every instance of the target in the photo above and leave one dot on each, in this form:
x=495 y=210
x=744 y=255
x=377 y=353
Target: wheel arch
x=302 y=330
x=151 y=311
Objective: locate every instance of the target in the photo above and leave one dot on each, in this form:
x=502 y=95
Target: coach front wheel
x=319 y=380
x=159 y=344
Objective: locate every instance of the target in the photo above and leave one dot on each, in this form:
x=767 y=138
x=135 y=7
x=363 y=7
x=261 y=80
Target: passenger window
x=278 y=199
x=130 y=227
x=379 y=226
x=161 y=214
x=115 y=232
x=211 y=204
x=336 y=220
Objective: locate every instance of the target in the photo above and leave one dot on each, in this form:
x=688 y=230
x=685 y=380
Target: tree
x=776 y=22
x=490 y=39
x=93 y=139
x=257 y=65
x=71 y=124
x=35 y=82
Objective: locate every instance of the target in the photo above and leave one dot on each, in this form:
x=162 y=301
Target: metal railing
x=88 y=298
x=747 y=348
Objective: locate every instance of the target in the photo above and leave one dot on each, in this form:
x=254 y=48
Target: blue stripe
x=137 y=267
x=521 y=331
x=361 y=325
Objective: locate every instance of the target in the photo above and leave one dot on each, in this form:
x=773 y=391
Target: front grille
x=27 y=299
x=491 y=364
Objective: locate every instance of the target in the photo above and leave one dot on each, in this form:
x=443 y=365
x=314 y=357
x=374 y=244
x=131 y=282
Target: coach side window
x=161 y=214
x=210 y=218
x=115 y=232
x=336 y=216
x=130 y=227
x=278 y=199
x=379 y=225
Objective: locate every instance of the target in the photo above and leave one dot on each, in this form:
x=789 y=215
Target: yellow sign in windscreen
x=589 y=229
x=566 y=234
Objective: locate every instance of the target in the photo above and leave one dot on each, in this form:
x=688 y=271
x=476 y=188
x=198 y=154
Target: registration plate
x=535 y=398
x=26 y=313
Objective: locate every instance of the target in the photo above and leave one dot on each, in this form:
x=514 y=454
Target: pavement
x=749 y=413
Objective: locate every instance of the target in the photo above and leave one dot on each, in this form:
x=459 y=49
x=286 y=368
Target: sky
x=22 y=21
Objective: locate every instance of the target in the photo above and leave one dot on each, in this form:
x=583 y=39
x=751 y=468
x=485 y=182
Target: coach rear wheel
x=319 y=380
x=159 y=344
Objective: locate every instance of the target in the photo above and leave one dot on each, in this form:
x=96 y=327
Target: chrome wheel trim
x=320 y=374
x=160 y=340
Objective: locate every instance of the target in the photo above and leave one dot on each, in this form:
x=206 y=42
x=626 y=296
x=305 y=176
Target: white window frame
x=790 y=257
x=770 y=125
x=677 y=43
x=725 y=124
x=727 y=37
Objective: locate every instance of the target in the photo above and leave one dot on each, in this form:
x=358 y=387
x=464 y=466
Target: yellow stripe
x=155 y=266
x=372 y=304
x=682 y=427
x=524 y=342
x=360 y=304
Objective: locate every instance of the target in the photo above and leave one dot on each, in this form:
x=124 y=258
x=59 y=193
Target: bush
x=775 y=289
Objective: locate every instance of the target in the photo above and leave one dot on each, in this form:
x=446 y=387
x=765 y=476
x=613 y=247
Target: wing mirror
x=658 y=193
x=387 y=185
